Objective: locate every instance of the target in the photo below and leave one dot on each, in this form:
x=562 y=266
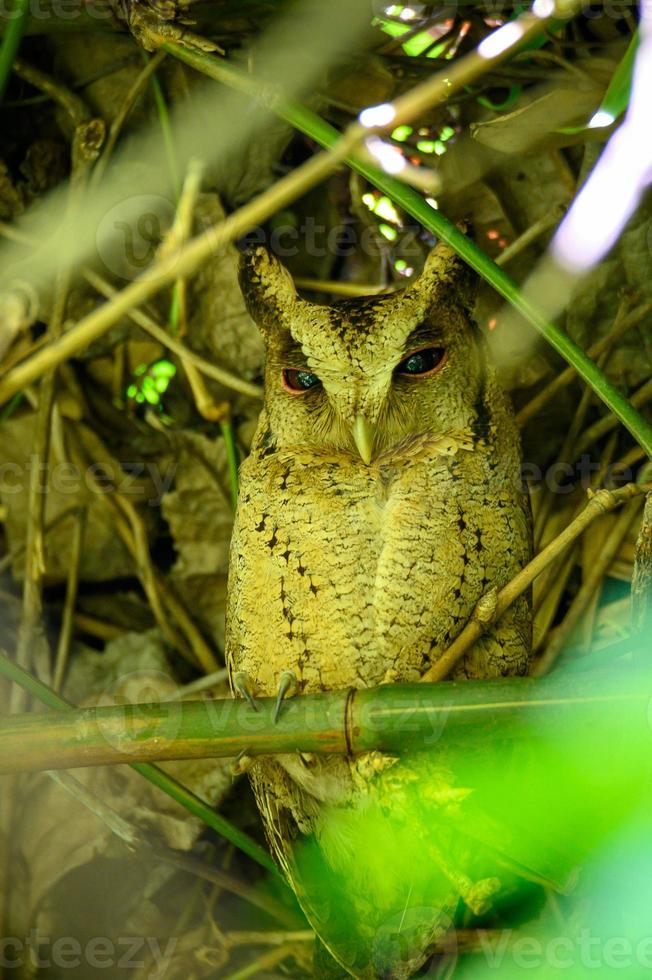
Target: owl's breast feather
x=359 y=570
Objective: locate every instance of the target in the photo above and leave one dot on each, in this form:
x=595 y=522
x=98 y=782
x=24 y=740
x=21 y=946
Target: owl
x=381 y=499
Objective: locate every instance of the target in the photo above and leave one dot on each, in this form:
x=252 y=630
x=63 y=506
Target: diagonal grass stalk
x=312 y=125
x=11 y=39
x=151 y=772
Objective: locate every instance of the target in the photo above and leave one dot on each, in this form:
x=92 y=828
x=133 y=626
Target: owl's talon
x=244 y=687
x=287 y=685
x=243 y=762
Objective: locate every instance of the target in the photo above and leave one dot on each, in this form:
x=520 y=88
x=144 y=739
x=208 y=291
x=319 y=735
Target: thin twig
x=177 y=236
x=202 y=651
x=641 y=397
x=132 y=530
x=565 y=378
x=70 y=101
x=151 y=327
x=642 y=577
x=581 y=76
x=97 y=627
x=550 y=596
x=268 y=938
x=202 y=684
x=567 y=452
x=32 y=605
x=492 y=605
x=7 y=560
x=154 y=774
x=530 y=235
x=630 y=458
x=122 y=829
x=127 y=105
x=581 y=601
x=67 y=618
x=263 y=962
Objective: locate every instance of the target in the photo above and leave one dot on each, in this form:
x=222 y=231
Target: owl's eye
x=299 y=382
x=422 y=363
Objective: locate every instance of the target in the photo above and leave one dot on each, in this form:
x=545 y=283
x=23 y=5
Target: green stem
x=390 y=718
x=232 y=459
x=166 y=129
x=411 y=201
x=151 y=772
x=175 y=309
x=11 y=406
x=11 y=40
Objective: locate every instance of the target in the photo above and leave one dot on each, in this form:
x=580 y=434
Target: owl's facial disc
x=360 y=390
x=298 y=383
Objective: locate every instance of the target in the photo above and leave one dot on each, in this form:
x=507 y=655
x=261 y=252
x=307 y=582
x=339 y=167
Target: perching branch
x=155 y=775
x=392 y=718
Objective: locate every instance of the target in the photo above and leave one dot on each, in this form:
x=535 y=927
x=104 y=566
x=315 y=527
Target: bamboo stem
x=390 y=718
x=155 y=775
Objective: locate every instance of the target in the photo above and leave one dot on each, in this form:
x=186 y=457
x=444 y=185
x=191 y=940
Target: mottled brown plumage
x=353 y=573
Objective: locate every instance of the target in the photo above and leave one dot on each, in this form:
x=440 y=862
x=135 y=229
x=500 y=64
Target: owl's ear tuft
x=268 y=289
x=445 y=269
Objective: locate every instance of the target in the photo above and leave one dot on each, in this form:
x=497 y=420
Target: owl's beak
x=363 y=435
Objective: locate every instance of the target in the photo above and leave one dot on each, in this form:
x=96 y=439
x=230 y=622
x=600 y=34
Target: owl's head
x=364 y=374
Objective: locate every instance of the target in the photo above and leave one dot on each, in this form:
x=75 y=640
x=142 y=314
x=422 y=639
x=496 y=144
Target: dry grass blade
x=494 y=604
